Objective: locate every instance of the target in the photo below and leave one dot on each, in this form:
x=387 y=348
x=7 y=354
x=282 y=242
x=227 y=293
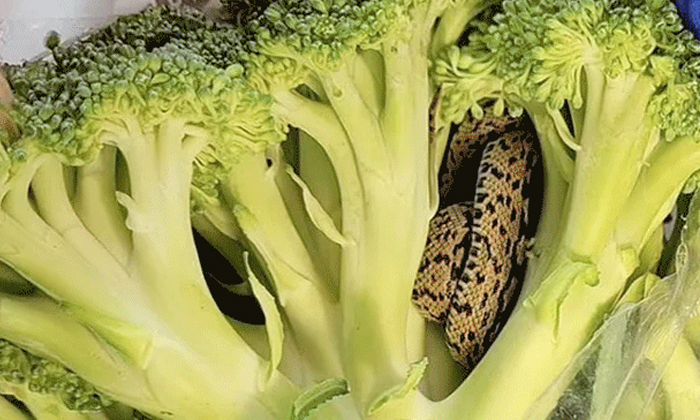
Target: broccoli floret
x=241 y=12
x=115 y=130
x=626 y=74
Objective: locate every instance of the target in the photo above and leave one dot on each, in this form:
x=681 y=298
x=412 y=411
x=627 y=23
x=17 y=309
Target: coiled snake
x=475 y=254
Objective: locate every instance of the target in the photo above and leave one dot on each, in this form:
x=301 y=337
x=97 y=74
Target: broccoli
x=95 y=211
x=164 y=121
x=298 y=142
x=612 y=88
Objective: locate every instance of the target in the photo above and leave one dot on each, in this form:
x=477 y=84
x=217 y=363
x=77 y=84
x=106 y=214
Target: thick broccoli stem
x=261 y=213
x=392 y=211
x=614 y=136
x=160 y=170
x=43 y=328
x=681 y=381
x=381 y=162
x=558 y=168
x=320 y=123
x=155 y=311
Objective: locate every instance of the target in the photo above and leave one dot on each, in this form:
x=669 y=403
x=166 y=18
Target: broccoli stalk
x=10 y=412
x=163 y=121
x=381 y=165
x=249 y=191
x=353 y=78
x=623 y=72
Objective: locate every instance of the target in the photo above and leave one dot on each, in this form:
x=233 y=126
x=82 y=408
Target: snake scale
x=475 y=255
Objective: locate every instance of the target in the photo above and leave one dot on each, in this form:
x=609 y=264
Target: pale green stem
x=614 y=136
x=321 y=123
x=453 y=22
x=78 y=282
x=266 y=223
x=558 y=167
x=54 y=207
x=438 y=147
x=404 y=119
x=681 y=382
x=25 y=321
x=212 y=215
x=194 y=342
x=231 y=249
x=376 y=282
x=357 y=119
x=15 y=203
x=444 y=375
x=8 y=411
x=654 y=195
x=25 y=235
x=316 y=169
x=43 y=328
x=368 y=72
x=315 y=118
x=96 y=204
x=164 y=257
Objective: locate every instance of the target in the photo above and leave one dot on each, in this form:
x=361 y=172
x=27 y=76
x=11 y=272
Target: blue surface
x=690 y=11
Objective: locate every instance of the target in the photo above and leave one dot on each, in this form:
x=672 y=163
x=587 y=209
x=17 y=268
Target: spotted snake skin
x=475 y=255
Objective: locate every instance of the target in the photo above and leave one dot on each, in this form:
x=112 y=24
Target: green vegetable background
x=301 y=141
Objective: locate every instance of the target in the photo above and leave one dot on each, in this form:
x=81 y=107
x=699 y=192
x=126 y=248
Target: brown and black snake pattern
x=476 y=250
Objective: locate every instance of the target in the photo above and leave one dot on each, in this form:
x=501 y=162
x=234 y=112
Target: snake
x=476 y=251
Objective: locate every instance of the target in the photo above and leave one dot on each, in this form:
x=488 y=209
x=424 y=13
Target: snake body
x=475 y=254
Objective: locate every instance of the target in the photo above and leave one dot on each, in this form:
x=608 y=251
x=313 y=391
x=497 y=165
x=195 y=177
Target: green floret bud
x=157 y=63
x=43 y=376
x=677 y=111
x=249 y=128
x=322 y=33
x=540 y=51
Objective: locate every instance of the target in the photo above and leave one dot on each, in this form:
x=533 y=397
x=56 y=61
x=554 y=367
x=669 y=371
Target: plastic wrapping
x=642 y=363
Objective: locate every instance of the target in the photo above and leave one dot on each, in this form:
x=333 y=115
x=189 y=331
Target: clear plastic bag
x=643 y=362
